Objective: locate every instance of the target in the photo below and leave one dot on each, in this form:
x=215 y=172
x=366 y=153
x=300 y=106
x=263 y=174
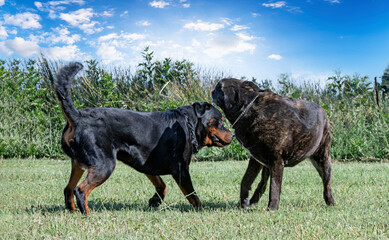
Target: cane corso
x=278 y=132
x=154 y=143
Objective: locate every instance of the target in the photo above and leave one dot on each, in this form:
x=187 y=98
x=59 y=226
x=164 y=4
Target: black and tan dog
x=155 y=143
x=278 y=132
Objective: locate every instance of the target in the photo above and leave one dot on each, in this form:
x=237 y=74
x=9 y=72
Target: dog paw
x=245 y=203
x=155 y=201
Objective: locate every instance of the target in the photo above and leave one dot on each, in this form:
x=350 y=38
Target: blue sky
x=307 y=39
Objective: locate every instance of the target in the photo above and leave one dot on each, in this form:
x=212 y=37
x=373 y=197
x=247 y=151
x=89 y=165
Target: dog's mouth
x=218 y=138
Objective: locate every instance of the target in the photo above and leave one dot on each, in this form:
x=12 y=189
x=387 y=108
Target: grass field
x=31 y=204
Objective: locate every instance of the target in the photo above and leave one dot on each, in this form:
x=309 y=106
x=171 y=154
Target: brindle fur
x=278 y=132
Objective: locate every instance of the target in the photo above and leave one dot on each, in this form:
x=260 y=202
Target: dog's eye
x=210 y=123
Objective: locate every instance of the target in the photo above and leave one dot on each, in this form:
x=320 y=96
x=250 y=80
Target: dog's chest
x=251 y=150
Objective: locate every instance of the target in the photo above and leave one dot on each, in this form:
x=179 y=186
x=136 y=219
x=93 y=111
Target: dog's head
x=231 y=92
x=210 y=126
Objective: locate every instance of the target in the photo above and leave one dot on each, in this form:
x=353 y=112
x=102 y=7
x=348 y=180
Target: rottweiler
x=154 y=143
x=278 y=132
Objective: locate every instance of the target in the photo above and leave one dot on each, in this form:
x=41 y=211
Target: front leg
x=276 y=172
x=160 y=188
x=185 y=183
x=261 y=186
x=251 y=173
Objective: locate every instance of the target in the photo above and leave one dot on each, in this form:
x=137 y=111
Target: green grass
x=31 y=204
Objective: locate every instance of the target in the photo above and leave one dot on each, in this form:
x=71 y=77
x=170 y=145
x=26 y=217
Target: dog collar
x=245 y=110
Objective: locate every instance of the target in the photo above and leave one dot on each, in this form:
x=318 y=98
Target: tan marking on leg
x=158 y=183
x=93 y=180
x=75 y=176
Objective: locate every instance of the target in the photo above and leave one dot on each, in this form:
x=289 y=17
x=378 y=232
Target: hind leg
x=276 y=170
x=251 y=173
x=324 y=168
x=69 y=189
x=96 y=176
x=160 y=188
x=322 y=162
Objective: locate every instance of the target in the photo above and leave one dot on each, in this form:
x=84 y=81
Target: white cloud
x=186 y=5
x=108 y=53
x=227 y=21
x=245 y=37
x=159 y=4
x=278 y=4
x=82 y=19
x=22 y=47
x=25 y=20
x=38 y=5
x=108 y=37
x=143 y=23
x=124 y=13
x=109 y=45
x=3 y=32
x=52 y=7
x=255 y=14
x=333 y=1
x=122 y=38
x=219 y=46
x=141 y=45
x=63 y=35
x=109 y=13
x=294 y=9
x=65 y=2
x=4 y=50
x=238 y=27
x=203 y=26
x=195 y=43
x=2 y=2
x=275 y=57
x=13 y=31
x=52 y=14
x=78 y=17
x=65 y=53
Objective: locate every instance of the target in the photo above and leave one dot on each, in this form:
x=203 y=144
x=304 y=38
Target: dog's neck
x=240 y=109
x=191 y=122
x=245 y=108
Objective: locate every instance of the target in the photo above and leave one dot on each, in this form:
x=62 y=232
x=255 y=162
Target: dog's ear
x=200 y=108
x=249 y=85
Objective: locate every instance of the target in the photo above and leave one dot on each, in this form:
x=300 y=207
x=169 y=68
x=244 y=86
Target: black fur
x=154 y=143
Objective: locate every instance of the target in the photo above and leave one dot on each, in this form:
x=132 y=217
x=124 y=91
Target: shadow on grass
x=100 y=206
x=44 y=209
x=182 y=207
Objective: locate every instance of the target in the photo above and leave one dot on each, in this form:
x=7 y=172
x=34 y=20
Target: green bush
x=31 y=120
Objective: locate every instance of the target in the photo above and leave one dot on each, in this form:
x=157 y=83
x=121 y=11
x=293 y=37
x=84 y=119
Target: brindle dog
x=278 y=132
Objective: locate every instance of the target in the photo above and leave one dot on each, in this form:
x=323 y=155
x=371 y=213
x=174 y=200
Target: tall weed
x=31 y=120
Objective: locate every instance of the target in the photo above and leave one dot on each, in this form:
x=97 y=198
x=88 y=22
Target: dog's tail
x=62 y=85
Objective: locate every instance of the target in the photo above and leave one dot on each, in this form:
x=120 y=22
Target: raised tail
x=62 y=86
